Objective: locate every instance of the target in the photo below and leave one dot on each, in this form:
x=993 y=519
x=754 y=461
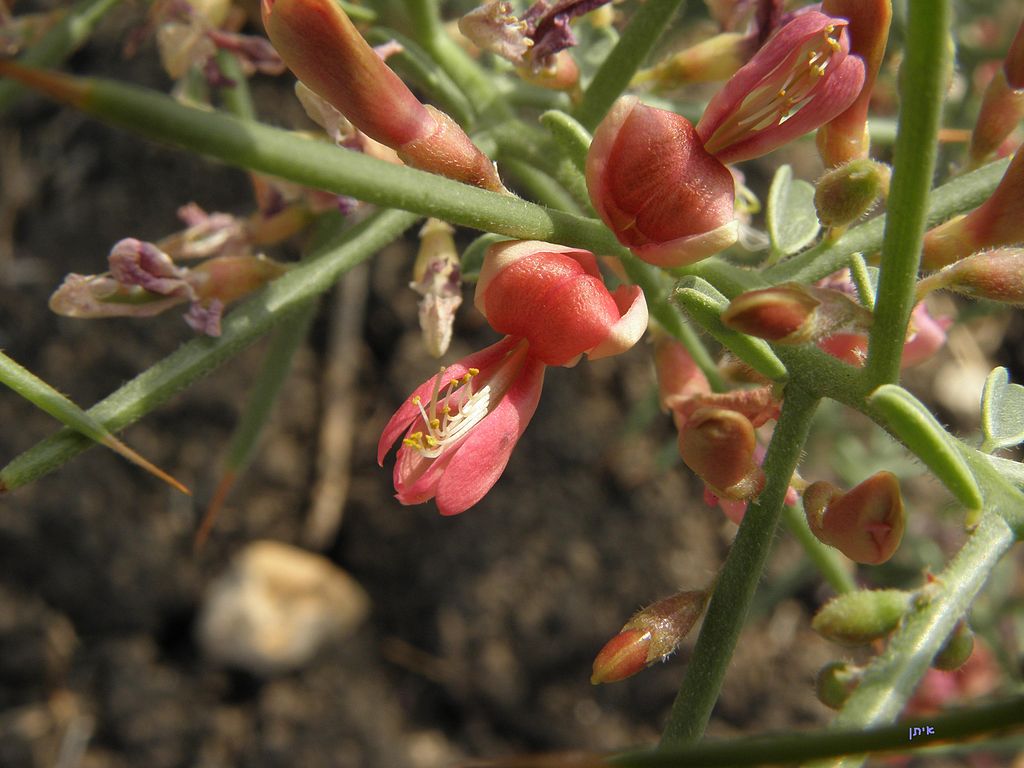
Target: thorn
x=117 y=446
x=65 y=88
x=227 y=482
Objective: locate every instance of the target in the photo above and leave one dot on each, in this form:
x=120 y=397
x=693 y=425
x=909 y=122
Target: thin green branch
x=737 y=582
x=955 y=196
x=541 y=187
x=319 y=165
x=241 y=327
x=923 y=80
x=425 y=17
x=790 y=748
x=649 y=21
x=832 y=565
x=60 y=42
x=891 y=678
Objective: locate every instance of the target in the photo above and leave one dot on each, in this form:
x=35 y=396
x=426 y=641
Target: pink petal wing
x=407 y=413
x=480 y=460
x=832 y=96
x=630 y=326
x=749 y=76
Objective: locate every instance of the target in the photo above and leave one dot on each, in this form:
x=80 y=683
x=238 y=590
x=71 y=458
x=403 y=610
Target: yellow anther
x=416 y=400
x=435 y=423
x=834 y=44
x=474 y=371
x=432 y=442
x=781 y=94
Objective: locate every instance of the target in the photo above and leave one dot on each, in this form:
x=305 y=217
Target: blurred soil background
x=454 y=638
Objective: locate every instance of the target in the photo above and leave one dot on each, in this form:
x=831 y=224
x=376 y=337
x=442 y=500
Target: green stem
x=891 y=678
x=60 y=42
x=318 y=165
x=474 y=82
x=541 y=187
x=198 y=357
x=237 y=99
x=737 y=582
x=923 y=77
x=956 y=196
x=833 y=566
x=277 y=365
x=638 y=39
x=791 y=748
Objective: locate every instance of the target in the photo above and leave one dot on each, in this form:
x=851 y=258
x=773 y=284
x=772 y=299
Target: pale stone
x=276 y=606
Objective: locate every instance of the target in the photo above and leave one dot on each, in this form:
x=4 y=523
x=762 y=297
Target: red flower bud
x=791 y=313
x=720 y=446
x=997 y=221
x=323 y=48
x=997 y=275
x=651 y=635
x=554 y=297
x=1002 y=109
x=803 y=67
x=865 y=523
x=655 y=186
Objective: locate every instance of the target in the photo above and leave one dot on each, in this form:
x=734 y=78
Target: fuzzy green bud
x=846 y=193
x=856 y=618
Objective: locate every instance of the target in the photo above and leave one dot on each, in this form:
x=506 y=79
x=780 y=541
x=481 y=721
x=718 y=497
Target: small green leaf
x=1002 y=411
x=914 y=424
x=792 y=221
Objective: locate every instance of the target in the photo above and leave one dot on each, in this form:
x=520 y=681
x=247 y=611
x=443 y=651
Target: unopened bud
x=857 y=618
x=229 y=278
x=866 y=523
x=651 y=635
x=996 y=275
x=783 y=314
x=719 y=445
x=323 y=48
x=791 y=313
x=957 y=649
x=657 y=189
x=835 y=682
x=997 y=221
x=846 y=193
x=1002 y=106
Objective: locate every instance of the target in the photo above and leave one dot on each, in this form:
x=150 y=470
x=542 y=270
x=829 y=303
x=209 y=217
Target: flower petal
x=403 y=418
x=480 y=460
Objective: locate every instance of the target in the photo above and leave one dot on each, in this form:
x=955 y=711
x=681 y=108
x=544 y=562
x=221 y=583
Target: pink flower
x=802 y=78
x=461 y=425
x=657 y=189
